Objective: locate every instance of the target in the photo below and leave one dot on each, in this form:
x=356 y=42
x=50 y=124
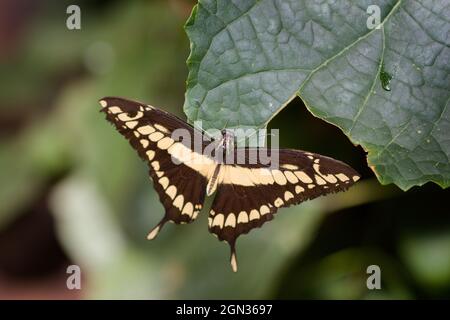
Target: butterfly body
x=250 y=184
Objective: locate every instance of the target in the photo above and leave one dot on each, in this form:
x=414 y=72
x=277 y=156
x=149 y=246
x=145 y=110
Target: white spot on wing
x=155 y=165
x=146 y=129
x=155 y=136
x=264 y=210
x=164 y=182
x=161 y=128
x=165 y=143
x=289 y=166
x=342 y=177
x=231 y=220
x=171 y=192
x=291 y=177
x=218 y=220
x=303 y=177
x=150 y=155
x=254 y=215
x=278 y=202
x=178 y=202
x=279 y=177
x=319 y=180
x=131 y=124
x=125 y=117
x=115 y=110
x=188 y=209
x=144 y=143
x=288 y=195
x=242 y=217
x=328 y=177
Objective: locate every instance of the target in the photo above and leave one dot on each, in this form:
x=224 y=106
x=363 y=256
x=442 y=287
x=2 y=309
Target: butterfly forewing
x=181 y=189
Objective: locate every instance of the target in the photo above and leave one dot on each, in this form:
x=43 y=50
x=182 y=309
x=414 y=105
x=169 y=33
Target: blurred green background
x=73 y=191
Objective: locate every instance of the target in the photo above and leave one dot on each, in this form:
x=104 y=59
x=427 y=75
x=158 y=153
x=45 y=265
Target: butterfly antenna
x=226 y=124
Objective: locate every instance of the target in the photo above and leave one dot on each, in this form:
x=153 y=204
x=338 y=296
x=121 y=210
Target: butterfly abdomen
x=213 y=181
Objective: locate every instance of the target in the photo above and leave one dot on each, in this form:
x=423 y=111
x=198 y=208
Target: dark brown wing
x=250 y=195
x=181 y=188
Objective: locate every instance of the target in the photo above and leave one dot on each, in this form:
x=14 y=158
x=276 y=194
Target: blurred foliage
x=60 y=159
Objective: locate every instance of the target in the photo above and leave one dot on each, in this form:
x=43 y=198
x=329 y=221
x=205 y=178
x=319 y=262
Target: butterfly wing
x=250 y=195
x=181 y=189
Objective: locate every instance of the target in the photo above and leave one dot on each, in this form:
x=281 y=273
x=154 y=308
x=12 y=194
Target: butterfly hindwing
x=250 y=194
x=149 y=130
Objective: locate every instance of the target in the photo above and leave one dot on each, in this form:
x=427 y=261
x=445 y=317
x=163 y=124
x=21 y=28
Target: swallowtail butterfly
x=247 y=195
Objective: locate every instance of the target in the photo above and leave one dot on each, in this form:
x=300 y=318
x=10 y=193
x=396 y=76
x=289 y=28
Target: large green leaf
x=387 y=88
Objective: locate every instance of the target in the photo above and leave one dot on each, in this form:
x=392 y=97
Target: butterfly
x=247 y=193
